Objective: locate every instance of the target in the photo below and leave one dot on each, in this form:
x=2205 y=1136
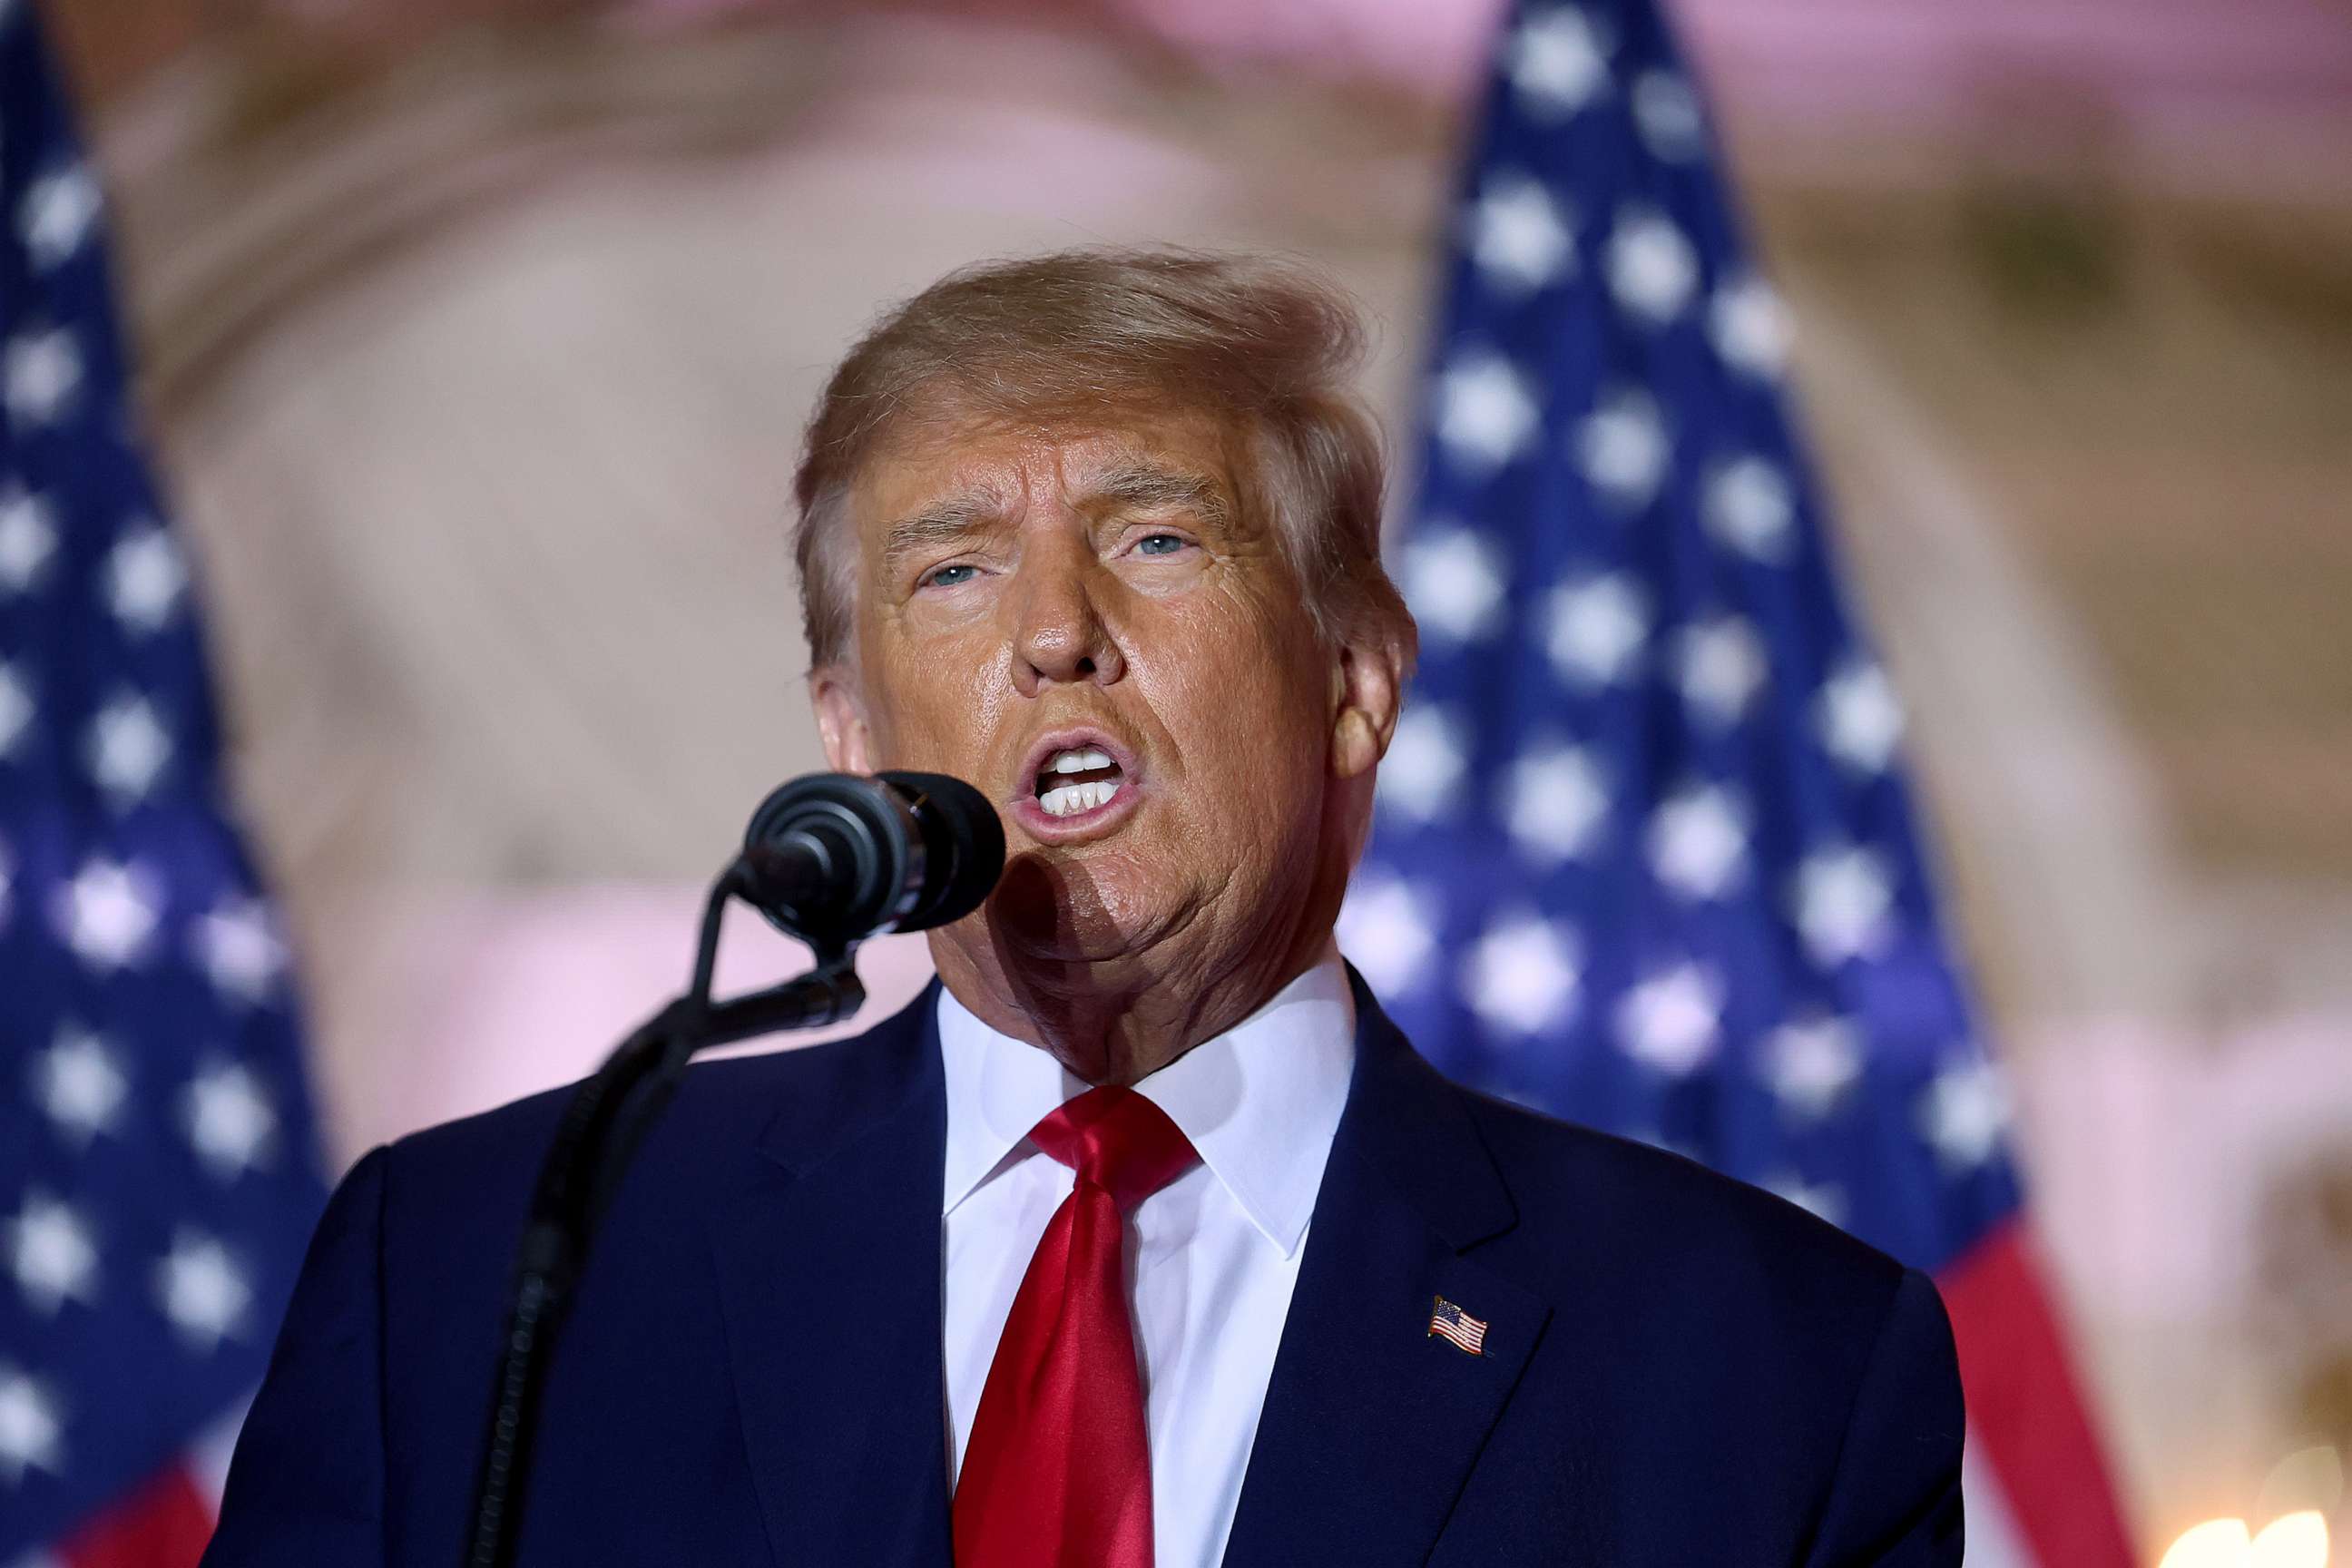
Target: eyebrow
x=1138 y=485
x=1147 y=486
x=944 y=522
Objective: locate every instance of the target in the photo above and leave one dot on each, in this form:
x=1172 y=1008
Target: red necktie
x=1057 y=1473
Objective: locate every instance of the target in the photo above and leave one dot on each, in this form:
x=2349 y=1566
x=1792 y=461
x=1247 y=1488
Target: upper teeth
x=1077 y=760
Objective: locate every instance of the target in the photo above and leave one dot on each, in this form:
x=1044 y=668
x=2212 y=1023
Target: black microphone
x=833 y=859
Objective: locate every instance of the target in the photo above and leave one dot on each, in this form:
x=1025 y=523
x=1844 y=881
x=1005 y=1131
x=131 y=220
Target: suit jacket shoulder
x=721 y=1107
x=361 y=1444
x=1642 y=1212
x=1677 y=1368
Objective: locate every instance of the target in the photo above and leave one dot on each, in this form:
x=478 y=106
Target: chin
x=1080 y=909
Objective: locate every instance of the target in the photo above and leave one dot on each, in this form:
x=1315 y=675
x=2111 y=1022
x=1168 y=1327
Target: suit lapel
x=1370 y=1424
x=829 y=1264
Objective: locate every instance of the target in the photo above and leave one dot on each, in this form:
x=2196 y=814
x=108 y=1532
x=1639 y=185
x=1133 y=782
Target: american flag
x=1456 y=1327
x=1646 y=856
x=157 y=1180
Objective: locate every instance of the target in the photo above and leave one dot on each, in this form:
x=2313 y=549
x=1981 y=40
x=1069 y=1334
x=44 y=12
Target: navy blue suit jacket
x=1680 y=1370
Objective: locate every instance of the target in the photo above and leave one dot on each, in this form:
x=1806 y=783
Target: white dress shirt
x=1214 y=1254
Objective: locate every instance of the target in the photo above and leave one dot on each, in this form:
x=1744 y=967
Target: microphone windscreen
x=963 y=847
x=830 y=857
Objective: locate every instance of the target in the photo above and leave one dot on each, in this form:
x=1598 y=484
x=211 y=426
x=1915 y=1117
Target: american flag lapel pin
x=1458 y=1328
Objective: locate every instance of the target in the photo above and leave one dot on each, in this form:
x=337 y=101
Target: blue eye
x=1160 y=544
x=947 y=576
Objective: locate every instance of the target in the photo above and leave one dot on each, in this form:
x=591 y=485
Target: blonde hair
x=1081 y=330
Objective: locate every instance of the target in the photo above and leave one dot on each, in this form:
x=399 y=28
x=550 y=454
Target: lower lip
x=1047 y=828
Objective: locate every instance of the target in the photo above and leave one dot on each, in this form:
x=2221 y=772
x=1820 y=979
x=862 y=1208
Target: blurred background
x=474 y=339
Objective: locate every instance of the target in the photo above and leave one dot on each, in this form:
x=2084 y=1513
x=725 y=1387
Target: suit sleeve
x=1894 y=1501
x=306 y=1486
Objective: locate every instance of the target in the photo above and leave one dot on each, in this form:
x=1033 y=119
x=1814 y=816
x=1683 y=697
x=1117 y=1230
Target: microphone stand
x=608 y=1116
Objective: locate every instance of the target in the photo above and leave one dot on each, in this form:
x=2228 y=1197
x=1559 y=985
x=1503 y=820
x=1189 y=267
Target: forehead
x=1011 y=464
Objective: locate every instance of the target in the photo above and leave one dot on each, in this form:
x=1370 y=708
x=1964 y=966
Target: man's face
x=1089 y=625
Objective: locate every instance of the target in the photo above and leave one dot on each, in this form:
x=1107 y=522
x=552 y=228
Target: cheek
x=934 y=711
x=1242 y=695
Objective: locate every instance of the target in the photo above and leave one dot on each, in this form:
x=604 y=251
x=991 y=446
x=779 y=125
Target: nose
x=1059 y=636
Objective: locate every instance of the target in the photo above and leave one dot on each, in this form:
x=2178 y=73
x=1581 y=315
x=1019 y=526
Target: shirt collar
x=1261 y=1102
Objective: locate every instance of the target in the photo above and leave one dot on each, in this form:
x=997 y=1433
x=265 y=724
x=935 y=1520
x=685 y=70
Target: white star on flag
x=1860 y=717
x=1424 y=763
x=1519 y=237
x=1453 y=581
x=79 y=1085
x=56 y=213
x=1558 y=62
x=16 y=710
x=1656 y=1138
x=1811 y=1063
x=1750 y=509
x=1667 y=115
x=1749 y=327
x=1721 y=666
x=1622 y=448
x=1597 y=629
x=1384 y=928
x=128 y=749
x=50 y=1254
x=109 y=914
x=202 y=1291
x=1822 y=1200
x=28 y=539
x=145 y=576
x=1671 y=1020
x=1844 y=896
x=1652 y=271
x=40 y=373
x=228 y=1119
x=1698 y=841
x=238 y=946
x=1555 y=803
x=30 y=1430
x=1486 y=411
x=1964 y=1113
x=1522 y=975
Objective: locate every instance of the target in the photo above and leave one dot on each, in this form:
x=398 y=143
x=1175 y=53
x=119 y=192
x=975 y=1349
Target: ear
x=1367 y=681
x=841 y=720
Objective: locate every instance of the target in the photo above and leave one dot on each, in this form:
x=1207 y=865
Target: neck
x=1118 y=1020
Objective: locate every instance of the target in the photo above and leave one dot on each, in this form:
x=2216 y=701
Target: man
x=1144 y=1237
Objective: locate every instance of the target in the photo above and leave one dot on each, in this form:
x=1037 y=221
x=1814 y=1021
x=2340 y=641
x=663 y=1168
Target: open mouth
x=1076 y=785
x=1077 y=779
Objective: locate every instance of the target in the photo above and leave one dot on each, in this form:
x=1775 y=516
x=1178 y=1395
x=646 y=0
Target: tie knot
x=1118 y=1140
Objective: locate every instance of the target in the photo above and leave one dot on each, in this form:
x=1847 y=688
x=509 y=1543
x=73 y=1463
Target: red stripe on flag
x=164 y=1524
x=2025 y=1404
